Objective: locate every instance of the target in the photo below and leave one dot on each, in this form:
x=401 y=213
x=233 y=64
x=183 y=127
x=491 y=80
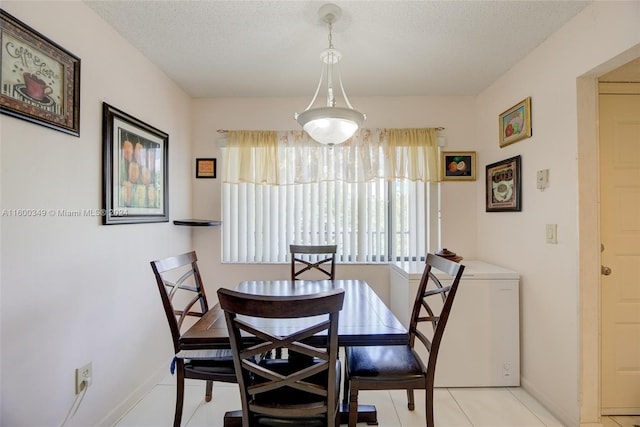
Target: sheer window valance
x=291 y=157
x=251 y=156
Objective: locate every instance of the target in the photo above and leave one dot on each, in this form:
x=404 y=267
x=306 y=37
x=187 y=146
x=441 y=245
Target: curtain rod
x=226 y=130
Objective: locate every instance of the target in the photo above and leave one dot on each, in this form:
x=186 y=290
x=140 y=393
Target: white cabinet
x=481 y=343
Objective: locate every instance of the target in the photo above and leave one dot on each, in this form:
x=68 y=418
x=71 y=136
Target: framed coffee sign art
x=504 y=186
x=39 y=80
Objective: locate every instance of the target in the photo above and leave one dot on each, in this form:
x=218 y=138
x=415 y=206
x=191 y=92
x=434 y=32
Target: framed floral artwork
x=134 y=169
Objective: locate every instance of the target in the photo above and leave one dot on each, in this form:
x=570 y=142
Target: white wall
x=73 y=290
x=550 y=292
x=459 y=199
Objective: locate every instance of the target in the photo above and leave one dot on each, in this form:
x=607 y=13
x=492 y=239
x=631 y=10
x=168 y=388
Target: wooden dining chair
x=183 y=296
x=312 y=262
x=309 y=258
x=400 y=367
x=285 y=392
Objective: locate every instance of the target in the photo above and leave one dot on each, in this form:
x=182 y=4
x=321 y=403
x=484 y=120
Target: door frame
x=589 y=254
x=589 y=242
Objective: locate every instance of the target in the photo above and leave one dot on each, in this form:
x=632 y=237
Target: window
x=372 y=220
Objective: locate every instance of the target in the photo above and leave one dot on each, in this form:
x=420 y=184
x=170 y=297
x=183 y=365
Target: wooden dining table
x=364 y=320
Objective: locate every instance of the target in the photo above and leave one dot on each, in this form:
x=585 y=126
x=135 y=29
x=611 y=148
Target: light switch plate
x=542 y=179
x=552 y=233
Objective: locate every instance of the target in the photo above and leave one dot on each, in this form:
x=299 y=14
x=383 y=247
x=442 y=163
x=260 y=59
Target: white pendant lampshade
x=330 y=124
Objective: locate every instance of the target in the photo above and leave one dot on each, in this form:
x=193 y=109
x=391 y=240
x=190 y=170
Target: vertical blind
x=358 y=195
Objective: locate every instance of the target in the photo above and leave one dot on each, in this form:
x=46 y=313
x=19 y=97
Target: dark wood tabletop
x=364 y=319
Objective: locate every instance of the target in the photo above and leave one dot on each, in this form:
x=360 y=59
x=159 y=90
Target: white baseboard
x=134 y=397
x=568 y=420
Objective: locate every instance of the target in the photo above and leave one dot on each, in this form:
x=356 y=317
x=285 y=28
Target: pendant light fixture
x=330 y=124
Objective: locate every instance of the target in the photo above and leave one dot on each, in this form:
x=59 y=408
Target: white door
x=620 y=232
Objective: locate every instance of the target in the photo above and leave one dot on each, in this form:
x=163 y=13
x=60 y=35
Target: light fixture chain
x=330 y=36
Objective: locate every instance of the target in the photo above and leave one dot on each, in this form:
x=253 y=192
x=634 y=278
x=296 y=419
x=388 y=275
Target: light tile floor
x=454 y=407
x=621 y=421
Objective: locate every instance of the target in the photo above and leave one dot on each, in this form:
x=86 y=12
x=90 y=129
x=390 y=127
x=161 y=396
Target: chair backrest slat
x=309 y=258
x=431 y=288
x=180 y=285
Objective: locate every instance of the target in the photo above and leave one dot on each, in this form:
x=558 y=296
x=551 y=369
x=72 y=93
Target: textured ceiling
x=218 y=48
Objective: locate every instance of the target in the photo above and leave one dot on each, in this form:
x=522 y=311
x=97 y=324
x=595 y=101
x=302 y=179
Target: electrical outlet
x=83 y=377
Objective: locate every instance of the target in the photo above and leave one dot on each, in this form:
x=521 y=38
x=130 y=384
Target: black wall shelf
x=197 y=222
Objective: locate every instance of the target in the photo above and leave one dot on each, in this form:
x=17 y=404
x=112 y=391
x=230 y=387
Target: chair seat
x=210 y=366
x=202 y=363
x=396 y=362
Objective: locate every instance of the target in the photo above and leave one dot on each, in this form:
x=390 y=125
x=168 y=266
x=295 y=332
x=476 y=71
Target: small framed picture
x=40 y=80
x=135 y=170
x=205 y=168
x=515 y=123
x=504 y=185
x=458 y=165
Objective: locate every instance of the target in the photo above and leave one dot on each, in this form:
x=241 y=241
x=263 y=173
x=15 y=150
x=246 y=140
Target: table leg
x=366 y=414
x=233 y=419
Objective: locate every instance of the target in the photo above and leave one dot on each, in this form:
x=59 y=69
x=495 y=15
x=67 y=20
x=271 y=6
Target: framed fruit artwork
x=135 y=161
x=458 y=165
x=515 y=123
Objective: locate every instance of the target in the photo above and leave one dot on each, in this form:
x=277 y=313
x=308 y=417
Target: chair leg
x=411 y=401
x=345 y=391
x=209 y=391
x=179 y=393
x=353 y=403
x=429 y=407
